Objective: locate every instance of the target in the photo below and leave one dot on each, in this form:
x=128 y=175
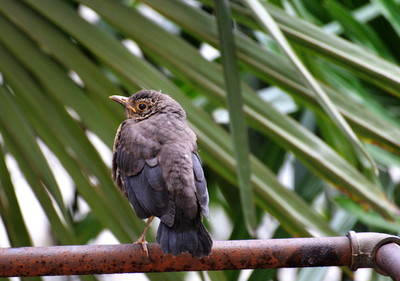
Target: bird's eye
x=142 y=106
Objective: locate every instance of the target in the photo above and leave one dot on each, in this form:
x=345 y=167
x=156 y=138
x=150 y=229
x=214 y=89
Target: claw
x=142 y=239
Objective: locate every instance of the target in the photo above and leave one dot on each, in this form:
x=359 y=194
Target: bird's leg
x=142 y=238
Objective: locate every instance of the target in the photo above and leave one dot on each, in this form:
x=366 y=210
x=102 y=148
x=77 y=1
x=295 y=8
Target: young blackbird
x=156 y=165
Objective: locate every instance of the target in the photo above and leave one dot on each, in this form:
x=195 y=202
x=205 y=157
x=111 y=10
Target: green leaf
x=367 y=164
x=20 y=141
x=383 y=156
x=59 y=131
x=236 y=114
x=87 y=228
x=10 y=210
x=64 y=50
x=364 y=63
x=263 y=274
x=359 y=31
x=54 y=79
x=391 y=10
x=371 y=218
x=267 y=66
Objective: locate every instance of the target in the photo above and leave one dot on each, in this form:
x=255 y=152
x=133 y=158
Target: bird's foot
x=142 y=238
x=142 y=241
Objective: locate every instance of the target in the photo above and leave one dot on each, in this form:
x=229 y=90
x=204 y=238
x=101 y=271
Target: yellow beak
x=120 y=99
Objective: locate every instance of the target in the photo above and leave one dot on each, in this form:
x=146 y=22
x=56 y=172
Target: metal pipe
x=388 y=260
x=225 y=255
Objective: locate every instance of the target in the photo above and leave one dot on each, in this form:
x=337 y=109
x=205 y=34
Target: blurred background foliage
x=61 y=59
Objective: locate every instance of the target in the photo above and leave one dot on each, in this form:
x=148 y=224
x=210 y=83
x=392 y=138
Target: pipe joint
x=364 y=246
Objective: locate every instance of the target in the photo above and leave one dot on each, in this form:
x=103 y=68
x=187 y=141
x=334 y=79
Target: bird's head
x=146 y=103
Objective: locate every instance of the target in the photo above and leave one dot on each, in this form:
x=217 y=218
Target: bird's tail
x=193 y=238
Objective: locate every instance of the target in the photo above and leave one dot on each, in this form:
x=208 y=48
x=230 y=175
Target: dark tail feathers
x=196 y=240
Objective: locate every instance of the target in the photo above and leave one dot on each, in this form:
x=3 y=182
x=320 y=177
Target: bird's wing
x=137 y=172
x=201 y=185
x=147 y=193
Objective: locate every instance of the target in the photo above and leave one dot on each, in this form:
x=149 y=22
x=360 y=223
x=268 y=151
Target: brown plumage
x=156 y=165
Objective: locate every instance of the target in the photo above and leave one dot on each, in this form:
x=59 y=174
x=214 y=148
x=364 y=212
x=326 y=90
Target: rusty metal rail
x=225 y=255
x=388 y=260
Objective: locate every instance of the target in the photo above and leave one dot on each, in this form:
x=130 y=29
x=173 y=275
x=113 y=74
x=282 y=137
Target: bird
x=156 y=165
